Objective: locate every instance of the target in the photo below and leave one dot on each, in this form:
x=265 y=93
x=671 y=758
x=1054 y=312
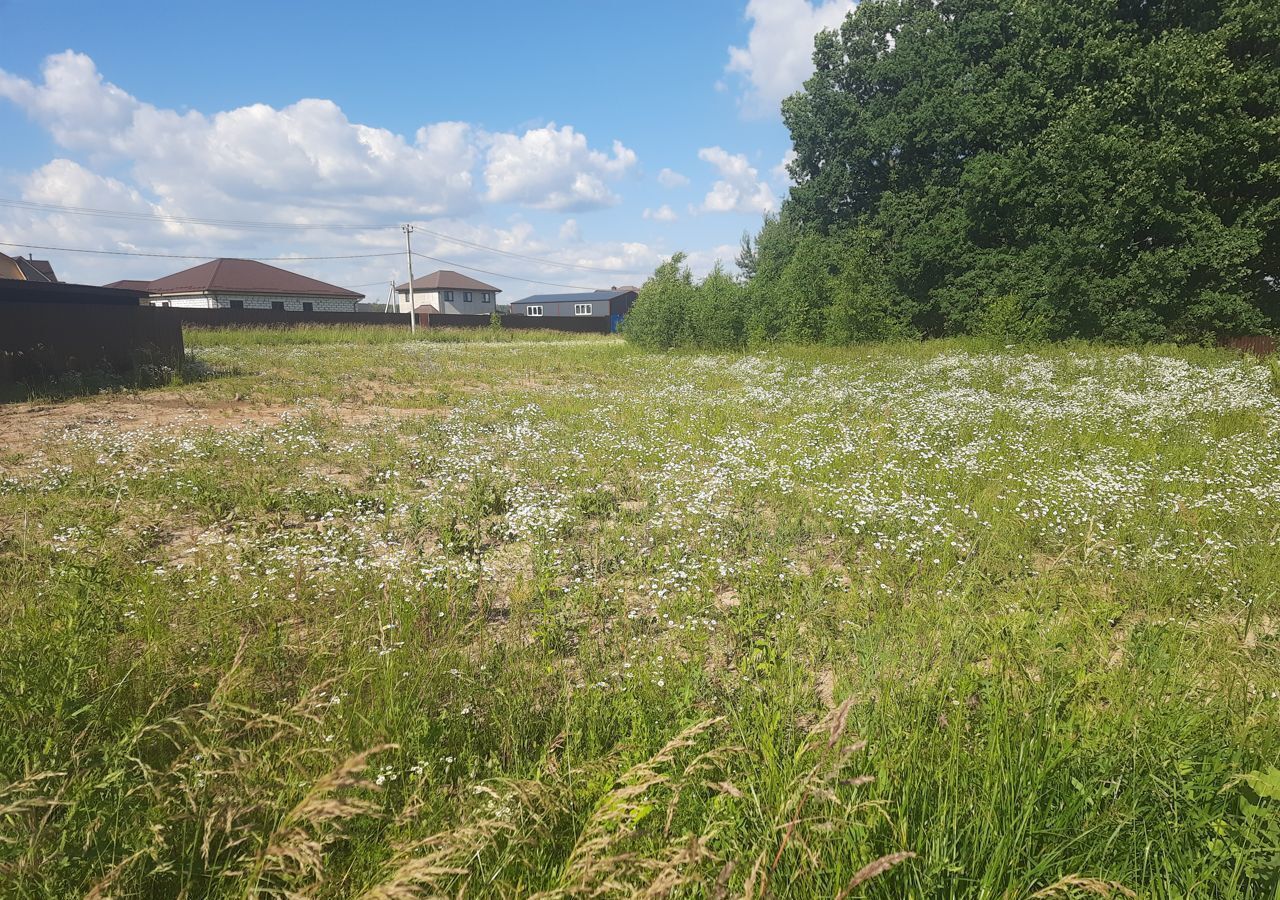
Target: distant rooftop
x=22 y=268
x=579 y=297
x=130 y=284
x=445 y=280
x=245 y=276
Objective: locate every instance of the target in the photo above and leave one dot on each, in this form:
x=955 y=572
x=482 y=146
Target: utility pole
x=408 y=254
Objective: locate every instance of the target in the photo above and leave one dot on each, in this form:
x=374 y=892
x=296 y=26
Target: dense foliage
x=1099 y=169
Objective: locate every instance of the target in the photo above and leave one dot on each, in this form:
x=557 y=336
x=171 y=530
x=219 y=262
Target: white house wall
x=476 y=307
x=258 y=301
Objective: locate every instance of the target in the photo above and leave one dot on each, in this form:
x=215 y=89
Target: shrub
x=1007 y=317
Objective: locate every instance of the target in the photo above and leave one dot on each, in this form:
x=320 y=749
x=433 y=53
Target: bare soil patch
x=25 y=427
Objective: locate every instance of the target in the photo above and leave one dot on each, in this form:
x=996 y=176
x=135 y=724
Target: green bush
x=1006 y=317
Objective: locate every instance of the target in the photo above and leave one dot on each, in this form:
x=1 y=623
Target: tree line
x=1026 y=169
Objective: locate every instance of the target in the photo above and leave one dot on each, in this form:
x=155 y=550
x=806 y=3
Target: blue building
x=611 y=305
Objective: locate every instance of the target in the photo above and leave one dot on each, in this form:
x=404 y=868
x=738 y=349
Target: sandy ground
x=25 y=427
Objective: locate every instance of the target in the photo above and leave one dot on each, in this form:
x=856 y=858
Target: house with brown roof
x=245 y=284
x=18 y=269
x=450 y=294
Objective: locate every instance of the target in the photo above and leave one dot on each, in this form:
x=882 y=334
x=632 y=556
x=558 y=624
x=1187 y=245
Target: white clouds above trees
x=308 y=161
x=553 y=168
x=779 y=51
x=739 y=188
x=663 y=213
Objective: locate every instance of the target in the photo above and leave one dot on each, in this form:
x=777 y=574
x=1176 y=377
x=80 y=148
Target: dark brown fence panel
x=445 y=320
x=579 y=324
x=1258 y=344
x=239 y=318
x=40 y=339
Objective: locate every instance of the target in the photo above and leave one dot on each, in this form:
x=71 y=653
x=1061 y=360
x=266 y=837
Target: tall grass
x=910 y=620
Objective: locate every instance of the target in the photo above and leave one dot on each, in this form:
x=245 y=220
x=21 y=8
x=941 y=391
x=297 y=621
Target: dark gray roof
x=581 y=297
x=36 y=269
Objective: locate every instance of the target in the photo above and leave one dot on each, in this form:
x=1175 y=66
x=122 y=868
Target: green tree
x=657 y=318
x=765 y=296
x=862 y=305
x=1115 y=164
x=715 y=316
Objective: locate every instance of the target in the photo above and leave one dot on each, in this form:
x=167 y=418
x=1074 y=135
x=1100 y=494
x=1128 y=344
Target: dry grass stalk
x=1069 y=885
x=295 y=848
x=432 y=866
x=830 y=753
x=597 y=867
x=20 y=799
x=102 y=890
x=874 y=869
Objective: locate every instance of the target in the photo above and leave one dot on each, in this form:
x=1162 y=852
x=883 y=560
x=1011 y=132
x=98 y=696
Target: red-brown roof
x=245 y=276
x=130 y=284
x=445 y=280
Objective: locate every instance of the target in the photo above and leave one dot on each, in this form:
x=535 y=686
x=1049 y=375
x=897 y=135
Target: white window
x=486 y=297
x=446 y=296
x=582 y=309
x=466 y=296
x=533 y=310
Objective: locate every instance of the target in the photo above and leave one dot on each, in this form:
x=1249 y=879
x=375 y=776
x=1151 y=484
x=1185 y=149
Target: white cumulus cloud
x=663 y=213
x=570 y=232
x=781 y=174
x=553 y=168
x=739 y=188
x=305 y=162
x=779 y=52
x=670 y=178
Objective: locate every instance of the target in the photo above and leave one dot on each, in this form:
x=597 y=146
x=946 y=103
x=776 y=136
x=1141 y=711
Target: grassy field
x=357 y=615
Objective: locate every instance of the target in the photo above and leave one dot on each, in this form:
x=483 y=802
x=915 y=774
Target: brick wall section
x=38 y=340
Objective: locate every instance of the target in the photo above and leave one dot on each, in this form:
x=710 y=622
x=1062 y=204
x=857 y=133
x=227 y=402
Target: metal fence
x=577 y=325
x=1257 y=344
x=235 y=318
x=240 y=318
x=39 y=340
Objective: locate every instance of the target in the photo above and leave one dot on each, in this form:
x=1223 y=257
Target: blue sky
x=599 y=136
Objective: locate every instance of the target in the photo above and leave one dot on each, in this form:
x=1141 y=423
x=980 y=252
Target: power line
x=437 y=259
x=576 y=287
x=538 y=259
x=189 y=256
x=182 y=220
x=33 y=206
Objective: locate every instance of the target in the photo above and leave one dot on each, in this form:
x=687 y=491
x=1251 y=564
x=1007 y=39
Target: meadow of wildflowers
x=369 y=616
